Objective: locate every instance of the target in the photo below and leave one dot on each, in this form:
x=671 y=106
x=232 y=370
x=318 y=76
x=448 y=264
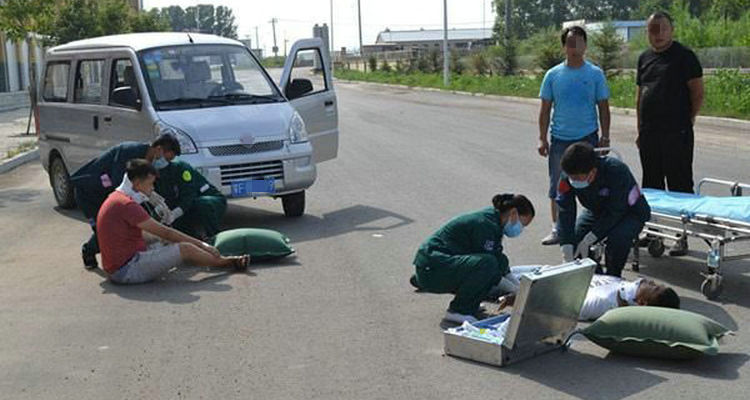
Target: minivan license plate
x=253 y=187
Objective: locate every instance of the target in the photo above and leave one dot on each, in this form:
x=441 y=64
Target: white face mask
x=126 y=187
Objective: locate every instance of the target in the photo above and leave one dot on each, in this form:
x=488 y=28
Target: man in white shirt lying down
x=605 y=293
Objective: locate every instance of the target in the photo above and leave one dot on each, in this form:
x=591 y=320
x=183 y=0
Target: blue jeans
x=556 y=149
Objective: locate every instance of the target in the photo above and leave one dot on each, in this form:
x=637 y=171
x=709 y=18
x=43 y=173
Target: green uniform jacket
x=478 y=232
x=202 y=203
x=612 y=195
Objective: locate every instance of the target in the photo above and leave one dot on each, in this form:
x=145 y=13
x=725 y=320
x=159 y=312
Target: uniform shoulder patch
x=187 y=176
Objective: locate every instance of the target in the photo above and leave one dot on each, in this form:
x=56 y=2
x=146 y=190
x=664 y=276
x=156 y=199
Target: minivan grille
x=261 y=170
x=238 y=149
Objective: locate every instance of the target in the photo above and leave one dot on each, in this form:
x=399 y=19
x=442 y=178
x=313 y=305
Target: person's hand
x=567 y=252
x=543 y=147
x=585 y=245
x=603 y=142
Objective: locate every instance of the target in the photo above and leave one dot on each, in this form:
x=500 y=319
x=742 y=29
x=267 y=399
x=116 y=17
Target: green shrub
x=372 y=63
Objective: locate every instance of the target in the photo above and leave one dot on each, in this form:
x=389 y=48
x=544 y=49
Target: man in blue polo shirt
x=575 y=89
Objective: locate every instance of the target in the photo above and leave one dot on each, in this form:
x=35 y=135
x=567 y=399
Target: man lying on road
x=121 y=222
x=605 y=292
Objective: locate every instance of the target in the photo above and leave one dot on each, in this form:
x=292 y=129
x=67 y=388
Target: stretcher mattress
x=677 y=204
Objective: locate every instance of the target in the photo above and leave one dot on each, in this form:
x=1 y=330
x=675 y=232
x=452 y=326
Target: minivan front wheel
x=294 y=204
x=59 y=179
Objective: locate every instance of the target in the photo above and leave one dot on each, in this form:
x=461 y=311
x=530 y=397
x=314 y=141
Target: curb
x=715 y=121
x=19 y=160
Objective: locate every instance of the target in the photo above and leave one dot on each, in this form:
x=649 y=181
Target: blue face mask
x=579 y=184
x=513 y=229
x=160 y=163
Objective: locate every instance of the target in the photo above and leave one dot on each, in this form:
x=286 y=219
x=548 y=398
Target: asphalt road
x=340 y=320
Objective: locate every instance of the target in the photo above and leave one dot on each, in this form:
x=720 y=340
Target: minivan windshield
x=195 y=76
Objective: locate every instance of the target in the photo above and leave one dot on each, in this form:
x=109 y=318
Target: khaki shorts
x=145 y=266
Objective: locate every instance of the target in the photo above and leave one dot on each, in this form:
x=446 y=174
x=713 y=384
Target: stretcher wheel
x=635 y=267
x=712 y=286
x=656 y=248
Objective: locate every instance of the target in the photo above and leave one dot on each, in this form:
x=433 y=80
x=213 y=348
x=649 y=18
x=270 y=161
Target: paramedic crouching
x=465 y=256
x=120 y=225
x=614 y=208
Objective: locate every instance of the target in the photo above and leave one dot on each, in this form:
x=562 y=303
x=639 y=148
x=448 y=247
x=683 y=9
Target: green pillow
x=656 y=332
x=260 y=244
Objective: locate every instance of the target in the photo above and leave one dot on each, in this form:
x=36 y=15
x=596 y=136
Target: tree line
x=62 y=21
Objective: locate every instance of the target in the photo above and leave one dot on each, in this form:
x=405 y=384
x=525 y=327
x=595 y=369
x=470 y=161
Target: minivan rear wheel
x=59 y=179
x=294 y=204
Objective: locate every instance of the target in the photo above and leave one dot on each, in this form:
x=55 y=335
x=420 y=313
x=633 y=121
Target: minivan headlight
x=297 y=130
x=187 y=146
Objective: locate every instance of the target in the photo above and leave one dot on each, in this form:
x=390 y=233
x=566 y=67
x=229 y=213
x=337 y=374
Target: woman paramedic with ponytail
x=465 y=256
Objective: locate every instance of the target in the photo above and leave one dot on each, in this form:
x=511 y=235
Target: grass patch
x=22 y=148
x=727 y=93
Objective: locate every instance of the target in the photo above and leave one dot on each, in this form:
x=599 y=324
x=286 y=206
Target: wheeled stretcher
x=718 y=221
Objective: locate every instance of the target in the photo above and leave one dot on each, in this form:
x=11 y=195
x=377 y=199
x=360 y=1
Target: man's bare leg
x=552 y=238
x=193 y=255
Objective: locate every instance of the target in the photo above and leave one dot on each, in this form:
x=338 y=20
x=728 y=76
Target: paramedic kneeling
x=121 y=222
x=465 y=256
x=614 y=207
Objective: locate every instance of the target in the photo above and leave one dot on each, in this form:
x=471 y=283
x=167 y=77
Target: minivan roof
x=141 y=41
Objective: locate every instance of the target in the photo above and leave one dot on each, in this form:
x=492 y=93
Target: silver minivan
x=247 y=135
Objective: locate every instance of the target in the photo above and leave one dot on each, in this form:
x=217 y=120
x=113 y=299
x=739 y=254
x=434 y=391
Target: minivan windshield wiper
x=187 y=101
x=254 y=98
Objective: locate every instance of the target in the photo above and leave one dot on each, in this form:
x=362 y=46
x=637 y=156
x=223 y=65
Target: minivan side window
x=122 y=75
x=56 y=82
x=308 y=65
x=88 y=82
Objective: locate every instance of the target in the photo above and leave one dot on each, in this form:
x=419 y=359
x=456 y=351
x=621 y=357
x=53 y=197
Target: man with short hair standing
x=669 y=96
x=575 y=89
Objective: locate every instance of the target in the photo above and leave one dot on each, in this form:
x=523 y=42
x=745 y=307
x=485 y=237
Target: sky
x=297 y=17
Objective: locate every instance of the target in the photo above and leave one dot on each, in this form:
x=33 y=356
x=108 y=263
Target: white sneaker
x=551 y=239
x=451 y=316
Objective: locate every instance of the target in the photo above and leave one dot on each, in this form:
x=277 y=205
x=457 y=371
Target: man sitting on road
x=99 y=177
x=605 y=293
x=121 y=222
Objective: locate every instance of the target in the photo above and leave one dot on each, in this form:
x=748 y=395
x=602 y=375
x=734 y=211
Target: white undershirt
x=602 y=295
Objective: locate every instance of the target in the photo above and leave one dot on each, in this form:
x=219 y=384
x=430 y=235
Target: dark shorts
x=556 y=149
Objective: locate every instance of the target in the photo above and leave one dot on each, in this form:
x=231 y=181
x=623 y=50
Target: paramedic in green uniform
x=96 y=179
x=465 y=256
x=197 y=207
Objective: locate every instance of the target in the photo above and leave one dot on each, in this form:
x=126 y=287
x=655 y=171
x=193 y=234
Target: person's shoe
x=551 y=239
x=680 y=248
x=457 y=318
x=89 y=258
x=413 y=281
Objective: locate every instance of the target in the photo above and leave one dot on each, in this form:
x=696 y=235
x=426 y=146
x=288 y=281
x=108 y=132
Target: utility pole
x=446 y=55
x=507 y=21
x=484 y=11
x=285 y=42
x=275 y=47
x=257 y=42
x=361 y=49
x=333 y=49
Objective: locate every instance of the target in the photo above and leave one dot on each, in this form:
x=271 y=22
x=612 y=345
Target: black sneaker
x=413 y=281
x=89 y=258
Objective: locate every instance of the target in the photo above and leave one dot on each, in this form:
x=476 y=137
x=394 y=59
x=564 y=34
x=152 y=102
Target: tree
x=77 y=19
x=151 y=21
x=479 y=64
x=18 y=18
x=457 y=67
x=114 y=16
x=607 y=47
x=175 y=16
x=206 y=18
x=224 y=24
x=548 y=49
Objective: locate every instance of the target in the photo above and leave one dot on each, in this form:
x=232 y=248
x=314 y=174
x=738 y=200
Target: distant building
x=628 y=30
x=427 y=39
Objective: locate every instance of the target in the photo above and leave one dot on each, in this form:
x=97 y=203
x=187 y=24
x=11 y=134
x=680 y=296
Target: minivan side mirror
x=125 y=96
x=298 y=88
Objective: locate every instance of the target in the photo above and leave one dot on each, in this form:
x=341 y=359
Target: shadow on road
x=73 y=213
x=312 y=227
x=182 y=285
x=9 y=197
x=724 y=366
x=710 y=310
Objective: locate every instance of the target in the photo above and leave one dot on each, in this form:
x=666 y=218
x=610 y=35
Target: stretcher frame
x=716 y=232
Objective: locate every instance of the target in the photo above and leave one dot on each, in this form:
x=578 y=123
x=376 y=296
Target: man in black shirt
x=669 y=96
